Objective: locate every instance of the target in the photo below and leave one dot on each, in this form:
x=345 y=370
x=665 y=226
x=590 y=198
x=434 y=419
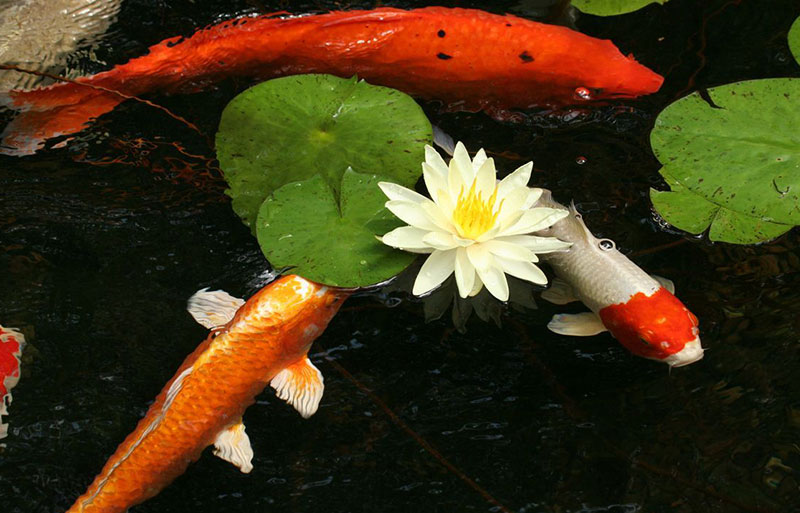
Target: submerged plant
x=473 y=225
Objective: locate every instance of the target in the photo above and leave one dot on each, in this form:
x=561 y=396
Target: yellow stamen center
x=473 y=215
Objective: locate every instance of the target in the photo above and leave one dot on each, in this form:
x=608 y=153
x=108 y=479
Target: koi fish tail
x=62 y=109
x=11 y=345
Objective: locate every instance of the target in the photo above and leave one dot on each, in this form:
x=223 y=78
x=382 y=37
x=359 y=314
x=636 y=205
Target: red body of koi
x=264 y=341
x=11 y=344
x=469 y=59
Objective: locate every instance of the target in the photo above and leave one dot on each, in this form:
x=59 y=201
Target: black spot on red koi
x=170 y=44
x=444 y=56
x=526 y=57
x=441 y=33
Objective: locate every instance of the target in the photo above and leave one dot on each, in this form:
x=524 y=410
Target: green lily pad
x=612 y=7
x=735 y=166
x=292 y=128
x=328 y=241
x=794 y=39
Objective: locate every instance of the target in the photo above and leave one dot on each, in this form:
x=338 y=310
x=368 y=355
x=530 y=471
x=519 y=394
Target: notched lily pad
x=292 y=128
x=328 y=241
x=733 y=166
x=612 y=7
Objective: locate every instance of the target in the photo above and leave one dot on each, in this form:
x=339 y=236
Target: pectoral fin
x=559 y=293
x=665 y=282
x=576 y=325
x=233 y=445
x=300 y=385
x=213 y=308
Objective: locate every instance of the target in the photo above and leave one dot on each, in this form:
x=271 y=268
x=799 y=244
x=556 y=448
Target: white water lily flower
x=473 y=225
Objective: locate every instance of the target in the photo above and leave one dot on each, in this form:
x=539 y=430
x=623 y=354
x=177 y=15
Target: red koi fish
x=639 y=310
x=264 y=340
x=469 y=59
x=11 y=344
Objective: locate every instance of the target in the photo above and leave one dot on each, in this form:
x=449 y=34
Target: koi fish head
x=607 y=74
x=296 y=308
x=658 y=327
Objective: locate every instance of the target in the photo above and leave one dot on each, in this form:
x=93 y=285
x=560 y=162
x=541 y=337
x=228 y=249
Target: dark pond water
x=103 y=242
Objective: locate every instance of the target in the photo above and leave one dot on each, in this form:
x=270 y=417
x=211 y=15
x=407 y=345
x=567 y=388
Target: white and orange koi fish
x=264 y=340
x=639 y=310
x=11 y=344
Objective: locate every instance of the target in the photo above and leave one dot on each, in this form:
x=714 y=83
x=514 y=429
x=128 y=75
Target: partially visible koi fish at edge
x=262 y=341
x=11 y=344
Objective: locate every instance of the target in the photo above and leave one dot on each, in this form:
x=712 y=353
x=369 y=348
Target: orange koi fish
x=469 y=59
x=11 y=344
x=264 y=340
x=639 y=310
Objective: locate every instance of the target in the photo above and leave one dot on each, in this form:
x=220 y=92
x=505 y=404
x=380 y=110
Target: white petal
x=510 y=220
x=519 y=178
x=444 y=241
x=446 y=204
x=455 y=181
x=406 y=238
x=435 y=161
x=489 y=234
x=508 y=250
x=513 y=203
x=477 y=287
x=398 y=192
x=465 y=273
x=412 y=213
x=523 y=270
x=535 y=219
x=479 y=159
x=434 y=271
x=462 y=163
x=435 y=214
x=485 y=179
x=534 y=193
x=435 y=182
x=489 y=271
x=537 y=244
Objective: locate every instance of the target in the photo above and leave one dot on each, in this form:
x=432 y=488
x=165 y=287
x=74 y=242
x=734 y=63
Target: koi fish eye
x=606 y=244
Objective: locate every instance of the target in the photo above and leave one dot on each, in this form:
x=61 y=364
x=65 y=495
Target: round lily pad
x=292 y=128
x=612 y=7
x=328 y=241
x=733 y=165
x=794 y=39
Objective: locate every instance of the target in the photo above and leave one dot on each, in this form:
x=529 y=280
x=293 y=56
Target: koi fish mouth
x=690 y=353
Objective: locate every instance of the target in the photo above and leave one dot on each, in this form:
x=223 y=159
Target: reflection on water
x=43 y=35
x=99 y=255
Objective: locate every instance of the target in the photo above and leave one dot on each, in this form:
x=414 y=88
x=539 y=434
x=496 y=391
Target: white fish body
x=638 y=309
